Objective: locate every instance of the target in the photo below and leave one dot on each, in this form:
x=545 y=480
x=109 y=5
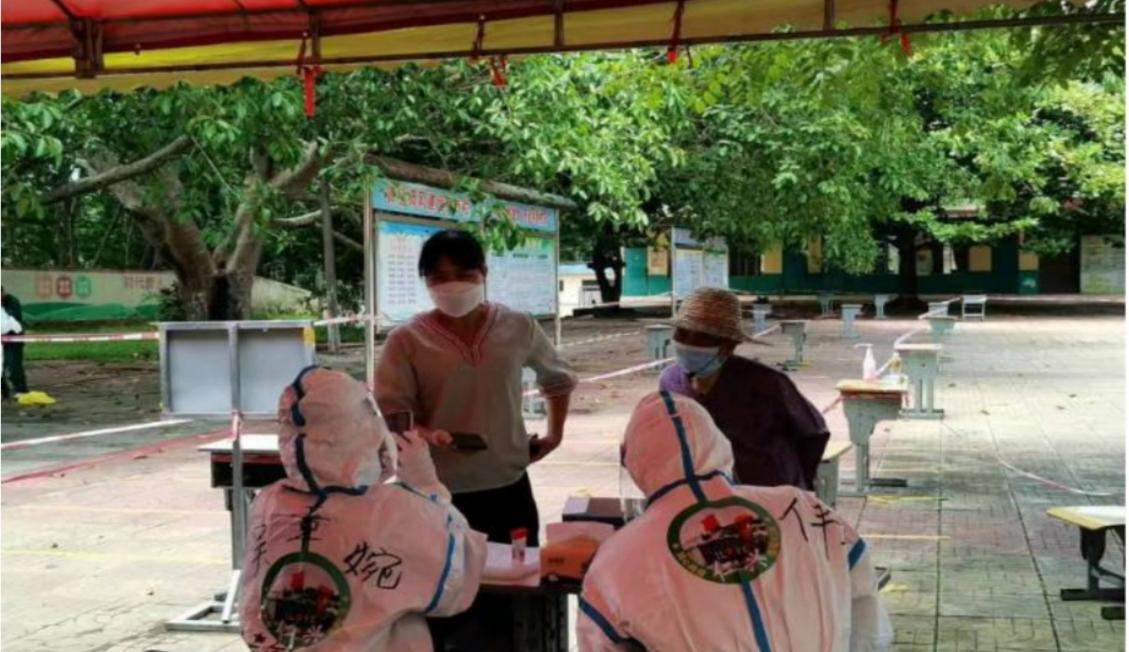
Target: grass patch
x=91 y=351
x=129 y=351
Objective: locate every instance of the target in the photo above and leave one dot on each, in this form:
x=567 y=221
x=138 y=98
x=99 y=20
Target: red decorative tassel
x=497 y=71
x=309 y=75
x=672 y=50
x=309 y=87
x=896 y=29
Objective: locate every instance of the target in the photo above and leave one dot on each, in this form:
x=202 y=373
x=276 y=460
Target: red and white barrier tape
x=24 y=443
x=601 y=338
x=348 y=319
x=66 y=339
x=613 y=374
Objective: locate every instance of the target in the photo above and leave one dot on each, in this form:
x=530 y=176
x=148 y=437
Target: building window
x=744 y=264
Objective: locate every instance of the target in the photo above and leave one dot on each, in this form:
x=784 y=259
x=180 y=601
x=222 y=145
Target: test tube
x=518 y=537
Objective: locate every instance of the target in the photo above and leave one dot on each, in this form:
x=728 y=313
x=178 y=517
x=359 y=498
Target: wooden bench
x=827 y=474
x=977 y=301
x=1093 y=521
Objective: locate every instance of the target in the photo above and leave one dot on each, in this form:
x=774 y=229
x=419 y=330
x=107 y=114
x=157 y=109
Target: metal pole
x=238 y=502
x=673 y=294
x=557 y=284
x=370 y=290
x=330 y=261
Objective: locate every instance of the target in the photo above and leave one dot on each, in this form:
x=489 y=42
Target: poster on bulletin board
x=523 y=278
x=699 y=264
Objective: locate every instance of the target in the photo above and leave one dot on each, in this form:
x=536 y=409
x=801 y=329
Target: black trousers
x=487 y=626
x=14 y=368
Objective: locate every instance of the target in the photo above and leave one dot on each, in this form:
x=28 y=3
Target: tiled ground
x=98 y=558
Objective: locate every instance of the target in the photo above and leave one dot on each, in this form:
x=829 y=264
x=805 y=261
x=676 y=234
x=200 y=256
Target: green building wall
x=1005 y=278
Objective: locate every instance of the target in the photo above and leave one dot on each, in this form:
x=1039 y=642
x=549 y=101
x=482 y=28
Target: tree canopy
x=852 y=140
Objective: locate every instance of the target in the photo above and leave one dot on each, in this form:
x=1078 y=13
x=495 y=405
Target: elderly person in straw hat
x=777 y=435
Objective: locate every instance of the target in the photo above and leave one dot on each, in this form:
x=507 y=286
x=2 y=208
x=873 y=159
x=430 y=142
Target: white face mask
x=457 y=298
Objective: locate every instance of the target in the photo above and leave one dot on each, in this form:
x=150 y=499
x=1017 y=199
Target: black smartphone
x=534 y=446
x=399 y=422
x=468 y=441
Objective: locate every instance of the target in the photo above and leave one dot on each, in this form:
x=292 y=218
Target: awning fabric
x=53 y=45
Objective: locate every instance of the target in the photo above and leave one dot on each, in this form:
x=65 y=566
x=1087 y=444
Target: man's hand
x=542 y=446
x=416 y=468
x=437 y=438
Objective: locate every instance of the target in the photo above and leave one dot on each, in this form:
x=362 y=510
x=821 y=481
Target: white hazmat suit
x=337 y=559
x=710 y=565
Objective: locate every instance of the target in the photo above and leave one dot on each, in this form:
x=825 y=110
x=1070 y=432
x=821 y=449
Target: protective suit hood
x=330 y=421
x=670 y=438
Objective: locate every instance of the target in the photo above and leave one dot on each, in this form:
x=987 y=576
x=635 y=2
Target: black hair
x=458 y=246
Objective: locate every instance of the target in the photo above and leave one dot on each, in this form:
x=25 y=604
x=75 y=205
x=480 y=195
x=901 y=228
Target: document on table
x=502 y=569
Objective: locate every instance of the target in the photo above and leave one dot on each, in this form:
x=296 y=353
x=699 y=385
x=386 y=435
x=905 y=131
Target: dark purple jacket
x=777 y=435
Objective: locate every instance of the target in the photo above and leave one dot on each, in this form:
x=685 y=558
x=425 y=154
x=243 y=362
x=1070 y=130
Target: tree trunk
x=906 y=242
x=330 y=262
x=606 y=255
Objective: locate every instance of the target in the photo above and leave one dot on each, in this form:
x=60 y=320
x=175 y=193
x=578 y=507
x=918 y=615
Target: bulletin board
x=698 y=264
x=523 y=278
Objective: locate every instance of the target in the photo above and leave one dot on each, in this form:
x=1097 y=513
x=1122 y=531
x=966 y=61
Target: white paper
x=502 y=569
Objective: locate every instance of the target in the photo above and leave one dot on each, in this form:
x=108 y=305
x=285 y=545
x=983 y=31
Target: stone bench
x=849 y=312
x=880 y=301
x=941 y=326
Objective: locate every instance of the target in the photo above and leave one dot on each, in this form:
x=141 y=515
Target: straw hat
x=712 y=311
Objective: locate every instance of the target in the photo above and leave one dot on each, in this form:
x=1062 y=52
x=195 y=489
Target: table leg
x=862 y=467
x=1093 y=549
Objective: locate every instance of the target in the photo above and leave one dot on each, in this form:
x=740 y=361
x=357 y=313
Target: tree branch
x=295 y=180
x=306 y=219
x=349 y=242
x=119 y=173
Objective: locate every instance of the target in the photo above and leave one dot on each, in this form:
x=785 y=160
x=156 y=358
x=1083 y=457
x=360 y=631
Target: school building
x=1095 y=266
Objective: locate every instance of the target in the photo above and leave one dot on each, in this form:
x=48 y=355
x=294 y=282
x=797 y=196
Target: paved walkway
x=98 y=558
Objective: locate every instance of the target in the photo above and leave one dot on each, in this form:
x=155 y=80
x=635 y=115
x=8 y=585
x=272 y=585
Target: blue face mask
x=698 y=361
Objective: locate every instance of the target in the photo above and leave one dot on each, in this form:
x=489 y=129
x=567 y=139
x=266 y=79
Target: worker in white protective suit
x=713 y=566
x=336 y=558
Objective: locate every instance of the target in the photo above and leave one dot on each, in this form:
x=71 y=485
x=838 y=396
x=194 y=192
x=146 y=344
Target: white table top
x=1091 y=517
x=835 y=449
x=249 y=443
x=911 y=348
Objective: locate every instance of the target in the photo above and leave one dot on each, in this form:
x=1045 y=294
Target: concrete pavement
x=98 y=558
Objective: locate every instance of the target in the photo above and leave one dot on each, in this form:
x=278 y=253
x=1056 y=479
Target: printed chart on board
x=522 y=278
x=687 y=271
x=715 y=270
x=400 y=292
